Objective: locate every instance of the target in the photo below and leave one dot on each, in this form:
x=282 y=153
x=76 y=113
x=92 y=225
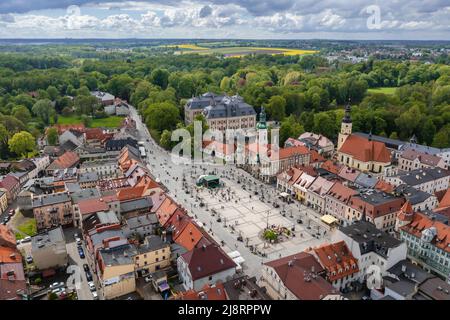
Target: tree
x=324 y=125
x=52 y=136
x=86 y=120
x=428 y=131
x=160 y=77
x=290 y=128
x=276 y=108
x=165 y=140
x=86 y=105
x=22 y=113
x=442 y=138
x=44 y=110
x=4 y=135
x=52 y=93
x=162 y=116
x=21 y=143
x=121 y=86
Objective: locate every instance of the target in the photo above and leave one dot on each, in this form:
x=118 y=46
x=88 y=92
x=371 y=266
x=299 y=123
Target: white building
x=375 y=250
x=428 y=180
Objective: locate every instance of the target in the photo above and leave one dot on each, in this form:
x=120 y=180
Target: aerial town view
x=210 y=150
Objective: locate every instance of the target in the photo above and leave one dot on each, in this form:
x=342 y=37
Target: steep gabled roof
x=365 y=150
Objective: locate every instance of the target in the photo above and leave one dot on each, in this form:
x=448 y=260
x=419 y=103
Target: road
x=83 y=291
x=160 y=164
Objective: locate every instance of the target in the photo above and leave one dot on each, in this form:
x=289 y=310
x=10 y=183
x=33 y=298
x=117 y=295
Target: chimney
x=204 y=247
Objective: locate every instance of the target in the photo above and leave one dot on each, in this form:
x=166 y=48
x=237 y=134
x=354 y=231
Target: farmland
x=236 y=52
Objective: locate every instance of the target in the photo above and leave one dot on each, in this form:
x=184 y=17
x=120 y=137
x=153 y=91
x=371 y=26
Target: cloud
x=241 y=18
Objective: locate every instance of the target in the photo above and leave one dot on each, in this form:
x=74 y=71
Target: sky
x=227 y=19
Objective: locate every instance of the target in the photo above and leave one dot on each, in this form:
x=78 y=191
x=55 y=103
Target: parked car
x=86 y=267
x=92 y=286
x=95 y=295
x=88 y=276
x=148 y=279
x=6 y=219
x=81 y=252
x=11 y=212
x=29 y=259
x=78 y=241
x=56 y=285
x=26 y=239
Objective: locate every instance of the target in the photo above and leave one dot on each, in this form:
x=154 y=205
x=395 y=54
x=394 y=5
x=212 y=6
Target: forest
x=302 y=93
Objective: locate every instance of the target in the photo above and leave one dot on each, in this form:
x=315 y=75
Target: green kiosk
x=208 y=181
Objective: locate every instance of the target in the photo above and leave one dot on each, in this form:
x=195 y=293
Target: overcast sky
x=253 y=19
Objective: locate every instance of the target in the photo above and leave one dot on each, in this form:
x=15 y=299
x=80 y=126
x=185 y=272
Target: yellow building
x=152 y=256
x=116 y=274
x=3 y=200
x=358 y=152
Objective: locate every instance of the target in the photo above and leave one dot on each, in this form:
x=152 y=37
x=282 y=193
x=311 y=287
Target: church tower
x=346 y=127
x=261 y=127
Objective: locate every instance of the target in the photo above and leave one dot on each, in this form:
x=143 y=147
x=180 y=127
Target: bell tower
x=346 y=126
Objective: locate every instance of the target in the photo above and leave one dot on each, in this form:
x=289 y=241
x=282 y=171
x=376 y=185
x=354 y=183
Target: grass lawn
x=110 y=122
x=385 y=90
x=27 y=228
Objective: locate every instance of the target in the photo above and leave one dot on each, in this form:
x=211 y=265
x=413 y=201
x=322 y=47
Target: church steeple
x=262 y=120
x=346 y=126
x=347 y=116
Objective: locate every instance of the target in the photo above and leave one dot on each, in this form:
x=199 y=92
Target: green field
x=385 y=90
x=27 y=228
x=238 y=51
x=110 y=122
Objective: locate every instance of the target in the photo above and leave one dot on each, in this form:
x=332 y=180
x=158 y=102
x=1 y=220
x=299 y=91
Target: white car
x=26 y=239
x=78 y=240
x=148 y=279
x=95 y=295
x=92 y=286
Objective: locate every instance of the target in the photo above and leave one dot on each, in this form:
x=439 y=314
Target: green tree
x=162 y=116
x=44 y=110
x=428 y=131
x=442 y=138
x=165 y=140
x=276 y=108
x=52 y=93
x=21 y=143
x=22 y=113
x=160 y=77
x=324 y=125
x=52 y=136
x=290 y=128
x=121 y=86
x=4 y=135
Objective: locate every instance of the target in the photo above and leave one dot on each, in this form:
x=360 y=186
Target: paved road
x=83 y=291
x=160 y=163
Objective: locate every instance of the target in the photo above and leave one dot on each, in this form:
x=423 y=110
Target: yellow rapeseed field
x=187 y=46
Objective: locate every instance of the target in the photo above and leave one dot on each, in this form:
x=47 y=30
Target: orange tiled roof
x=130 y=193
x=421 y=222
x=445 y=201
x=214 y=292
x=337 y=260
x=92 y=206
x=7 y=237
x=165 y=211
x=331 y=167
x=341 y=192
x=406 y=213
x=189 y=236
x=364 y=150
x=316 y=157
x=9 y=255
x=384 y=186
x=64 y=127
x=67 y=160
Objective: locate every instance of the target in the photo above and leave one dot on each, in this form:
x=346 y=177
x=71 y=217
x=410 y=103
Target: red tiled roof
x=92 y=206
x=214 y=292
x=68 y=160
x=7 y=237
x=64 y=127
x=204 y=261
x=331 y=167
x=341 y=192
x=285 y=153
x=9 y=182
x=348 y=173
x=421 y=222
x=9 y=255
x=406 y=213
x=165 y=210
x=189 y=236
x=337 y=259
x=9 y=289
x=364 y=150
x=378 y=210
x=97 y=134
x=130 y=193
x=225 y=149
x=316 y=157
x=384 y=186
x=445 y=201
x=298 y=273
